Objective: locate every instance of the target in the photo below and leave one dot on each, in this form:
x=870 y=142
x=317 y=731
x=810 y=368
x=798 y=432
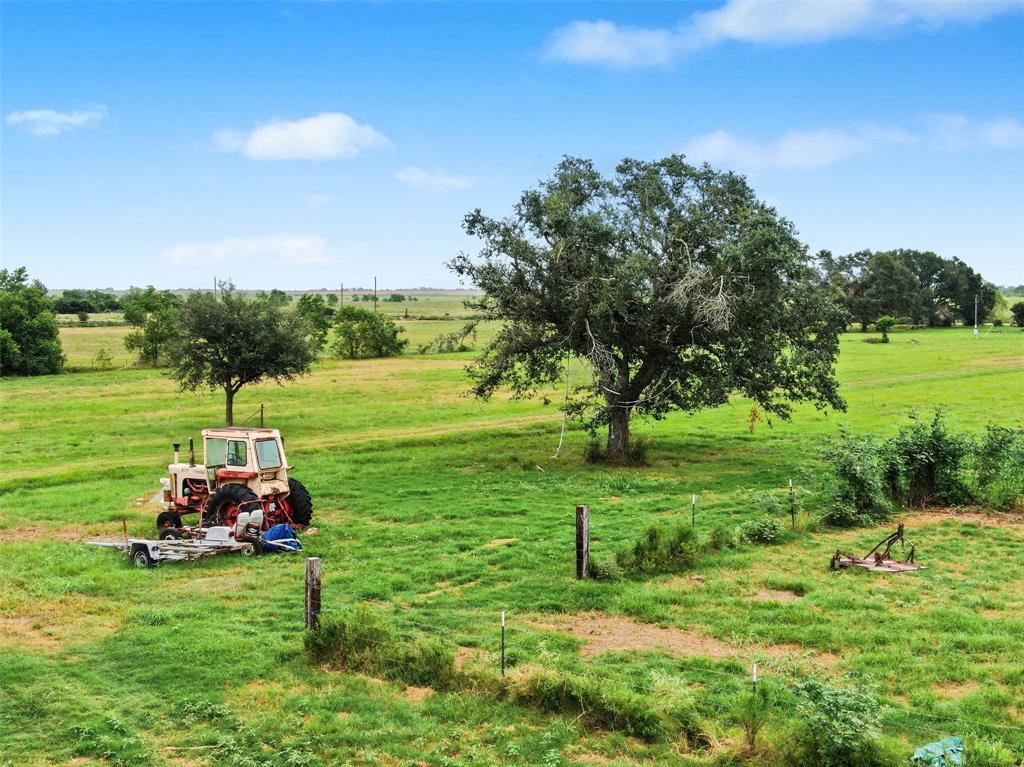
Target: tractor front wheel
x=299 y=503
x=225 y=504
x=167 y=520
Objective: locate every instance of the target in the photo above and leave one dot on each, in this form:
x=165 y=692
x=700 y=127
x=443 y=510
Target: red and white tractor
x=244 y=472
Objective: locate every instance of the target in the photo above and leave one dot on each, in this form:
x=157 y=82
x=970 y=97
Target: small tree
x=884 y=324
x=156 y=317
x=360 y=333
x=29 y=337
x=1018 y=314
x=230 y=341
x=317 y=315
x=675 y=282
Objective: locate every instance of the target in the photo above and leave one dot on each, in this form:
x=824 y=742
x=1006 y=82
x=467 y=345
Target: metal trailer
x=148 y=553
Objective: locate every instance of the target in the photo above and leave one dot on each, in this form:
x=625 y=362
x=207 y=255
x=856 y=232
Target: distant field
x=443 y=512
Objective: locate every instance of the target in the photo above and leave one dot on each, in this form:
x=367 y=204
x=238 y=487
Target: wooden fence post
x=582 y=542
x=313 y=573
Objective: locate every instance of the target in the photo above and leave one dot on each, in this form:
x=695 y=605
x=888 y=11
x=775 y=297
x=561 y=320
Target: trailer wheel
x=299 y=503
x=224 y=505
x=141 y=557
x=170 y=534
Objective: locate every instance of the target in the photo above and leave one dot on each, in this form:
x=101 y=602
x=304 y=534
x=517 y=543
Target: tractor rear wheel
x=299 y=503
x=225 y=504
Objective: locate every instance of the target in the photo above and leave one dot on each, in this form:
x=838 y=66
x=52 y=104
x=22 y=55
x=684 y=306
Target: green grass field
x=443 y=512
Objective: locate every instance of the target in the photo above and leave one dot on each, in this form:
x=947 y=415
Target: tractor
x=244 y=471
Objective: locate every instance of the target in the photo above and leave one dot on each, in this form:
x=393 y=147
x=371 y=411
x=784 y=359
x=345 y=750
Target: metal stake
x=503 y=643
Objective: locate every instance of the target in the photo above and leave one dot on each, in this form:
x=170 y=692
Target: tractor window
x=237 y=454
x=216 y=452
x=268 y=454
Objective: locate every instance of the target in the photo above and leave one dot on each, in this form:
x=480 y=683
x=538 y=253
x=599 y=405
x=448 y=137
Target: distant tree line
x=915 y=286
x=85 y=301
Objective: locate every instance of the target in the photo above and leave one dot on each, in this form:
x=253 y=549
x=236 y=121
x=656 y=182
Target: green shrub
x=720 y=537
x=984 y=753
x=760 y=531
x=753 y=711
x=600 y=703
x=660 y=549
x=884 y=324
x=358 y=640
x=603 y=569
x=857 y=492
x=429 y=663
x=839 y=726
x=998 y=460
x=923 y=465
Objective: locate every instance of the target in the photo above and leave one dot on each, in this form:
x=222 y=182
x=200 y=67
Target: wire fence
x=900 y=718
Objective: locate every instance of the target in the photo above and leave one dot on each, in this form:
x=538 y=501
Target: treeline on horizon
x=902 y=286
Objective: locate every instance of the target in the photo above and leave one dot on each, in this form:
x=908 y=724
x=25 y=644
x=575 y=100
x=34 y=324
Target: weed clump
x=839 y=727
x=660 y=549
x=763 y=531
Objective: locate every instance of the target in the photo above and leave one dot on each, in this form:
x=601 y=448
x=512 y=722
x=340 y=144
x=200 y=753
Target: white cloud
x=808 y=150
x=795 y=150
x=778 y=22
x=321 y=137
x=955 y=132
x=434 y=180
x=605 y=42
x=50 y=122
x=1004 y=134
x=282 y=249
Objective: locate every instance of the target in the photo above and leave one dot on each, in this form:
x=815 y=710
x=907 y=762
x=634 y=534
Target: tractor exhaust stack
x=177 y=450
x=191 y=452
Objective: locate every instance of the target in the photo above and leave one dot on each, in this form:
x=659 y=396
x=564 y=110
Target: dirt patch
x=956 y=690
x=415 y=694
x=464 y=655
x=50 y=625
x=602 y=634
x=450 y=589
x=495 y=542
x=939 y=515
x=774 y=595
x=34 y=533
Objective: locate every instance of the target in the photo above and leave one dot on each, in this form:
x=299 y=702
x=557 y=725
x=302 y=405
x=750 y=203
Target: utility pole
x=341 y=298
x=375 y=294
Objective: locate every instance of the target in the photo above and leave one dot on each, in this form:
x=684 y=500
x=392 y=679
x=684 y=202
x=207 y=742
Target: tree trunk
x=618 y=431
x=229 y=412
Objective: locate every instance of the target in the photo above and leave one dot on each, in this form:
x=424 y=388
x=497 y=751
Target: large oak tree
x=675 y=282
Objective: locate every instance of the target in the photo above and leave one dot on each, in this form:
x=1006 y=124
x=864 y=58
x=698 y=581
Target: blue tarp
x=944 y=753
x=279 y=539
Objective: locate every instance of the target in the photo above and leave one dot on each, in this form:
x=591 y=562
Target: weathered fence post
x=582 y=542
x=313 y=573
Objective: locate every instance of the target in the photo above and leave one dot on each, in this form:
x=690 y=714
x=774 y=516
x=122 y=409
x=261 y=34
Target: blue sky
x=303 y=145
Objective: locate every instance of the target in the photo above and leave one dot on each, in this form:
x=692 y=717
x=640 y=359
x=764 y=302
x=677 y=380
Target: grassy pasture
x=445 y=511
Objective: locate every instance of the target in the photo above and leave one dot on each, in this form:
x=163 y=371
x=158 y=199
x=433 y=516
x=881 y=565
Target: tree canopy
x=29 y=337
x=230 y=341
x=675 y=282
x=362 y=333
x=920 y=286
x=155 y=315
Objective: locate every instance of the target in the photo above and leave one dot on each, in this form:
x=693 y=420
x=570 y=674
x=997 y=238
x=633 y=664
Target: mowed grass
x=445 y=511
